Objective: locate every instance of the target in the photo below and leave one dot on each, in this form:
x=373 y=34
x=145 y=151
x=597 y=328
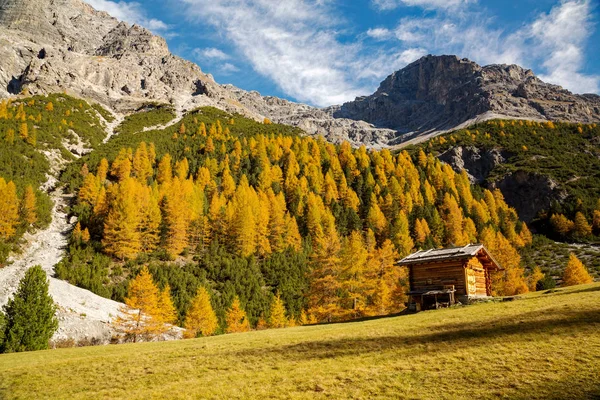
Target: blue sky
x=325 y=52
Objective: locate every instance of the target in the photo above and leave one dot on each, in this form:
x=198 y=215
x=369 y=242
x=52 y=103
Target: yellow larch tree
x=165 y=171
x=453 y=221
x=575 y=273
x=121 y=232
x=421 y=230
x=581 y=226
x=201 y=318
x=102 y=171
x=121 y=166
x=137 y=319
x=175 y=217
x=561 y=224
x=9 y=209
x=535 y=276
x=236 y=319
x=150 y=218
x=277 y=318
x=352 y=276
x=142 y=166
x=28 y=206
x=323 y=295
x=166 y=312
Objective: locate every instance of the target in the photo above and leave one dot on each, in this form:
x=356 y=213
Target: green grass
x=541 y=346
x=147 y=116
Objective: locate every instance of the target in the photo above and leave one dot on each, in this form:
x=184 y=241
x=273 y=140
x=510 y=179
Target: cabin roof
x=448 y=254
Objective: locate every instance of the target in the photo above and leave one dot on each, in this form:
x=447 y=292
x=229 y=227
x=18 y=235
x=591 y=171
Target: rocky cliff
x=438 y=93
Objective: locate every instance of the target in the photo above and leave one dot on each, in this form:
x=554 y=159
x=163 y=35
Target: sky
x=325 y=52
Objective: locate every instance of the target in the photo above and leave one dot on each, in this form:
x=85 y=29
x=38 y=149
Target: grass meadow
x=543 y=345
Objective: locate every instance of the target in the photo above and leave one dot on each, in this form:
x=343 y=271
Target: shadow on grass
x=455 y=335
x=569 y=388
x=564 y=291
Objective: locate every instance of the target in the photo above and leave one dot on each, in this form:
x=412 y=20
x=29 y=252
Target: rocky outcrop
x=478 y=163
x=439 y=93
x=529 y=193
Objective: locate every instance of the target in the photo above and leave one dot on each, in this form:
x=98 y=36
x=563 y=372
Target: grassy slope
x=543 y=346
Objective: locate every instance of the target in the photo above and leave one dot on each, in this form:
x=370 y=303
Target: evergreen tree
x=30 y=320
x=201 y=318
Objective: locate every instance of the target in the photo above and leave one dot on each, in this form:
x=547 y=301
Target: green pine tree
x=30 y=320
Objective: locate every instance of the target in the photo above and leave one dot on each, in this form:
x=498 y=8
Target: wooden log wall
x=476 y=278
x=428 y=276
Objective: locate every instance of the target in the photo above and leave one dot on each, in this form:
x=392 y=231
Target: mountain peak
x=436 y=93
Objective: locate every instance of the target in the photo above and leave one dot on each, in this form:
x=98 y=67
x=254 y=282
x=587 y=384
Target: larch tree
x=28 y=206
x=353 y=277
x=121 y=232
x=9 y=209
x=166 y=312
x=277 y=318
x=237 y=320
x=142 y=166
x=581 y=226
x=175 y=217
x=138 y=318
x=575 y=273
x=200 y=318
x=121 y=166
x=150 y=218
x=30 y=315
x=165 y=170
x=533 y=279
x=453 y=221
x=323 y=294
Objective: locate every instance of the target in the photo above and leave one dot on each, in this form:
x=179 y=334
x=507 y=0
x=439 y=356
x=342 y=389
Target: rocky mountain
x=440 y=93
x=56 y=45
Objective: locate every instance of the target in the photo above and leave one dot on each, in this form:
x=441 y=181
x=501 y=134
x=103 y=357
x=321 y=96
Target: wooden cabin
x=439 y=277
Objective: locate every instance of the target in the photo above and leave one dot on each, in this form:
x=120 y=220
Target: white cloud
x=228 y=68
x=295 y=43
x=427 y=4
x=210 y=53
x=561 y=34
x=131 y=12
x=380 y=33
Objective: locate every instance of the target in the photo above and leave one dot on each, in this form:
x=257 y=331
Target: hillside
x=543 y=346
x=542 y=169
x=254 y=210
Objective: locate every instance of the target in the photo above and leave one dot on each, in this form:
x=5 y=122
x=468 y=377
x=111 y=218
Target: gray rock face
x=529 y=193
x=442 y=92
x=477 y=162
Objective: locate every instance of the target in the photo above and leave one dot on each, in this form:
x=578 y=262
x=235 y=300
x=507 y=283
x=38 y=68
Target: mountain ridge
x=56 y=45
